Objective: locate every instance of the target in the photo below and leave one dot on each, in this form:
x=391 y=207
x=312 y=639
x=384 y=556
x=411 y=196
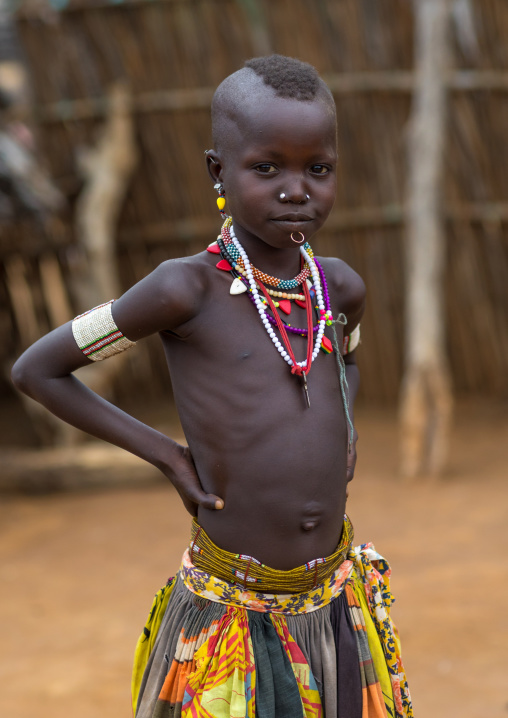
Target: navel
x=310 y=525
x=312 y=515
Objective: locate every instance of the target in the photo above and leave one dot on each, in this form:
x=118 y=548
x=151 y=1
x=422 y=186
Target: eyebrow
x=271 y=154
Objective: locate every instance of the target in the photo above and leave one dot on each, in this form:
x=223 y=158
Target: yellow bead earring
x=221 y=199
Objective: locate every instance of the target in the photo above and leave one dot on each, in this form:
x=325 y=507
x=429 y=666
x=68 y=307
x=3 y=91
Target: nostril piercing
x=307 y=197
x=282 y=196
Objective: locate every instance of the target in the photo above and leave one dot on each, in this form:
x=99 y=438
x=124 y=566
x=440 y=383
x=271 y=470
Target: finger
x=198 y=497
x=188 y=485
x=212 y=502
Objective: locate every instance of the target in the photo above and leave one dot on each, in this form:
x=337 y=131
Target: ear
x=214 y=165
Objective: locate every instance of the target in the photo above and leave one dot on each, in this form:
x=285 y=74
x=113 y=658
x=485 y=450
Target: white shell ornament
x=238 y=287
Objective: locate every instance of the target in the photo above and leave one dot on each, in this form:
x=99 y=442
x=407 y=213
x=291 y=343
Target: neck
x=282 y=263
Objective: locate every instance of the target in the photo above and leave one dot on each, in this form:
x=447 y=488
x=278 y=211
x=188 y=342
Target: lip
x=293 y=217
x=300 y=223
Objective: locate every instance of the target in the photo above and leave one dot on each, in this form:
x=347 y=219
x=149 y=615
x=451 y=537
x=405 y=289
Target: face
x=279 y=170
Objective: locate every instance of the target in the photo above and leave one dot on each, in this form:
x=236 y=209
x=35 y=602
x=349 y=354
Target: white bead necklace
x=262 y=308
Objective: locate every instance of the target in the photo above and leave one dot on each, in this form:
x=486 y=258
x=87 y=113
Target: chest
x=237 y=320
x=230 y=340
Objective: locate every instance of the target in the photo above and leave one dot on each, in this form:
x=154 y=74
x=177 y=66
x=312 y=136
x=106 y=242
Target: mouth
x=293 y=222
x=293 y=217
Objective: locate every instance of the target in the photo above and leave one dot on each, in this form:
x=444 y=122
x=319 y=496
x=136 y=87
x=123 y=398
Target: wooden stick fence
x=174 y=52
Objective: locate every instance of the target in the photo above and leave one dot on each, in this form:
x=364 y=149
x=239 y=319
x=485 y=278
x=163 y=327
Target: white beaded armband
x=352 y=340
x=97 y=335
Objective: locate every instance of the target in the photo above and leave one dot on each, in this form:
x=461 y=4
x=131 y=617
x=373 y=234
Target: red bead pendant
x=224 y=265
x=285 y=306
x=326 y=345
x=213 y=248
x=301 y=303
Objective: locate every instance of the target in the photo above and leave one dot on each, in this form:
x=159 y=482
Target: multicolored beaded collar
x=236 y=256
x=326 y=345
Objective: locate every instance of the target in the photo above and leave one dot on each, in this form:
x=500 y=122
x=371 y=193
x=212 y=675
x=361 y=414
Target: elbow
x=22 y=378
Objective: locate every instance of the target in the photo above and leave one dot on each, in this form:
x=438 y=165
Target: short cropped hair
x=289 y=77
x=285 y=77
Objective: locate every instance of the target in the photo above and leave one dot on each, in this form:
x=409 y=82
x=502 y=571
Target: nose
x=293 y=187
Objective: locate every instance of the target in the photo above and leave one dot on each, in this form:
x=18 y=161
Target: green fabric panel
x=277 y=694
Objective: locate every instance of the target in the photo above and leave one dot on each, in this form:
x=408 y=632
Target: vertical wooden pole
x=426 y=400
x=107 y=169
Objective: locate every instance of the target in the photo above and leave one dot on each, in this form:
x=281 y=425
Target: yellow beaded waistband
x=249 y=573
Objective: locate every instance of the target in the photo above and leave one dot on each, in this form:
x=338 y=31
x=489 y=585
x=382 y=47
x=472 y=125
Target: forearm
x=73 y=402
x=45 y=373
x=353 y=382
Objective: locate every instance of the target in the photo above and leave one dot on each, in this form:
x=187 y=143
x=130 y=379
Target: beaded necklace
x=323 y=306
x=242 y=274
x=271 y=292
x=325 y=343
x=302 y=368
x=237 y=257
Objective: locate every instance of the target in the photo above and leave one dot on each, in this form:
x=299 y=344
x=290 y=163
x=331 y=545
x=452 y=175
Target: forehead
x=271 y=122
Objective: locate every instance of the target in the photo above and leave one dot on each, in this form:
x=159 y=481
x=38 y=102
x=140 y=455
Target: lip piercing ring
x=298 y=241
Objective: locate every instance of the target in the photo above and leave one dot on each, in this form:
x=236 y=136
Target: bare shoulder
x=346 y=287
x=166 y=299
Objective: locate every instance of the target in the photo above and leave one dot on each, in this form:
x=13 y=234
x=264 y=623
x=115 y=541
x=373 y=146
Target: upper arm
x=167 y=298
x=348 y=290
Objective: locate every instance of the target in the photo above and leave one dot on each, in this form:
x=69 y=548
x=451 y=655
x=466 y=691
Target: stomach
x=284 y=498
x=279 y=466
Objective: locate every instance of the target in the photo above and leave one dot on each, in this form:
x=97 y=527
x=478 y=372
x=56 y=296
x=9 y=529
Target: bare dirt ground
x=79 y=568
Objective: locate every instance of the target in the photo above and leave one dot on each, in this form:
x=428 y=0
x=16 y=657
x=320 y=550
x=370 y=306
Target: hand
x=186 y=481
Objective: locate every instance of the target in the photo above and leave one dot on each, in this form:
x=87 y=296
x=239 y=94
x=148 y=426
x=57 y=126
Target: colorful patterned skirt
x=216 y=648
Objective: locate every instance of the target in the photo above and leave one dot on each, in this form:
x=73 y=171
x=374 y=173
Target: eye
x=320 y=169
x=266 y=168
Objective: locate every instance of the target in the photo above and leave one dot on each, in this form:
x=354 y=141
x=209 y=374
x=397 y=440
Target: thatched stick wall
x=174 y=52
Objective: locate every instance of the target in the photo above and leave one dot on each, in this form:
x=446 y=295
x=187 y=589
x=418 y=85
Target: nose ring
x=307 y=197
x=298 y=241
